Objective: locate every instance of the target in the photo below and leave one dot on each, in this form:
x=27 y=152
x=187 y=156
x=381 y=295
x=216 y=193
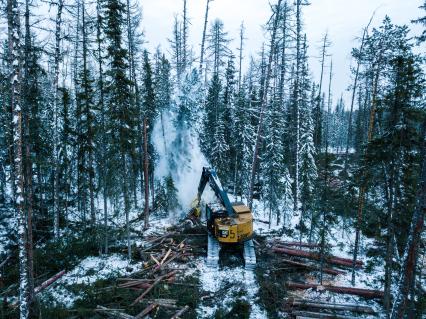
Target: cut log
x=311 y=255
x=146 y=311
x=113 y=313
x=4 y=261
x=180 y=312
x=296 y=244
x=156 y=282
x=165 y=256
x=48 y=282
x=308 y=314
x=366 y=293
x=326 y=270
x=332 y=306
x=155 y=259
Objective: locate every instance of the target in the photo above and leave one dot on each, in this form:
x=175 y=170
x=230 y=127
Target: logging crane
x=227 y=224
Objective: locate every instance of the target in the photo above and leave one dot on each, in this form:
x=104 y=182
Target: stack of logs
x=303 y=308
x=158 y=254
x=288 y=248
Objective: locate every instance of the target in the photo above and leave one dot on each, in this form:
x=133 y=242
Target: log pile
x=158 y=254
x=302 y=308
x=315 y=256
x=366 y=293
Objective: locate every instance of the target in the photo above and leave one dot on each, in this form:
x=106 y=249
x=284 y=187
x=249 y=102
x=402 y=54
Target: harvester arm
x=209 y=176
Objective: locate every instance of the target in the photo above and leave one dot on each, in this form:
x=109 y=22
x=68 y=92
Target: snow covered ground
x=230 y=284
x=87 y=272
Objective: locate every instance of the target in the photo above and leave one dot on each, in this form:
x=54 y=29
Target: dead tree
x=57 y=56
x=318 y=113
x=354 y=88
x=28 y=81
x=14 y=38
x=145 y=173
x=263 y=103
x=203 y=41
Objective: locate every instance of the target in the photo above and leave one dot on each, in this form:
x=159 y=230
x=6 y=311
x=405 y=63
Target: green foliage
x=166 y=196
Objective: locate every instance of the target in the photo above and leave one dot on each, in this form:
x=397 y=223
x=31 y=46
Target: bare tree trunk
x=57 y=54
x=354 y=88
x=363 y=187
x=283 y=67
x=185 y=37
x=203 y=41
x=14 y=38
x=263 y=105
x=239 y=92
x=146 y=178
x=29 y=209
x=102 y=110
x=126 y=203
x=318 y=116
x=28 y=162
x=240 y=60
x=411 y=251
x=325 y=190
x=89 y=119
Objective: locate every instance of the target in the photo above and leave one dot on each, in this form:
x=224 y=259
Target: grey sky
x=344 y=20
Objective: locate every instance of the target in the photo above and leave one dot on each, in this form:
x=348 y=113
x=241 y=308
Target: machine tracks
x=213 y=249
x=249 y=254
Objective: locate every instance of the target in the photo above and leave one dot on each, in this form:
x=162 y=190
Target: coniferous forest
x=103 y=139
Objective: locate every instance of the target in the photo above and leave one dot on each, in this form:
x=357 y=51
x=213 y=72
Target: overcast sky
x=344 y=20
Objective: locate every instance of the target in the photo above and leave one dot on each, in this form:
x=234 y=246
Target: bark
x=48 y=282
x=307 y=266
x=311 y=255
x=112 y=313
x=318 y=119
x=28 y=161
x=310 y=315
x=57 y=56
x=14 y=38
x=156 y=282
x=412 y=248
x=89 y=117
x=366 y=293
x=126 y=203
x=145 y=171
x=283 y=66
x=263 y=105
x=331 y=306
x=102 y=111
x=325 y=190
x=203 y=41
x=147 y=311
x=180 y=312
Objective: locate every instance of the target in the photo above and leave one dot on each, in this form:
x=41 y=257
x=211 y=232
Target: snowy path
x=230 y=285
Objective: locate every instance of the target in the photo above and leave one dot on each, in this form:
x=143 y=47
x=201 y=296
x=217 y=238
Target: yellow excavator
x=226 y=223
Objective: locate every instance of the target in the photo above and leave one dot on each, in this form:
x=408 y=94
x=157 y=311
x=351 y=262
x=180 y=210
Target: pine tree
x=422 y=21
x=217 y=47
x=117 y=89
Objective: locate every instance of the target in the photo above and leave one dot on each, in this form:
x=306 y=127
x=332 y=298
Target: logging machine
x=227 y=224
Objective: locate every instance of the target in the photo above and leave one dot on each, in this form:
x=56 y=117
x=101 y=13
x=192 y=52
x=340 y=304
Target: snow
x=185 y=156
x=87 y=272
x=241 y=281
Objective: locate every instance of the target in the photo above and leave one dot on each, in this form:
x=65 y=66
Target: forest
x=103 y=140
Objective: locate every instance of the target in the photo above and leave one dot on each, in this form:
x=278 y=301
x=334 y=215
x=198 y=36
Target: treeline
x=79 y=114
